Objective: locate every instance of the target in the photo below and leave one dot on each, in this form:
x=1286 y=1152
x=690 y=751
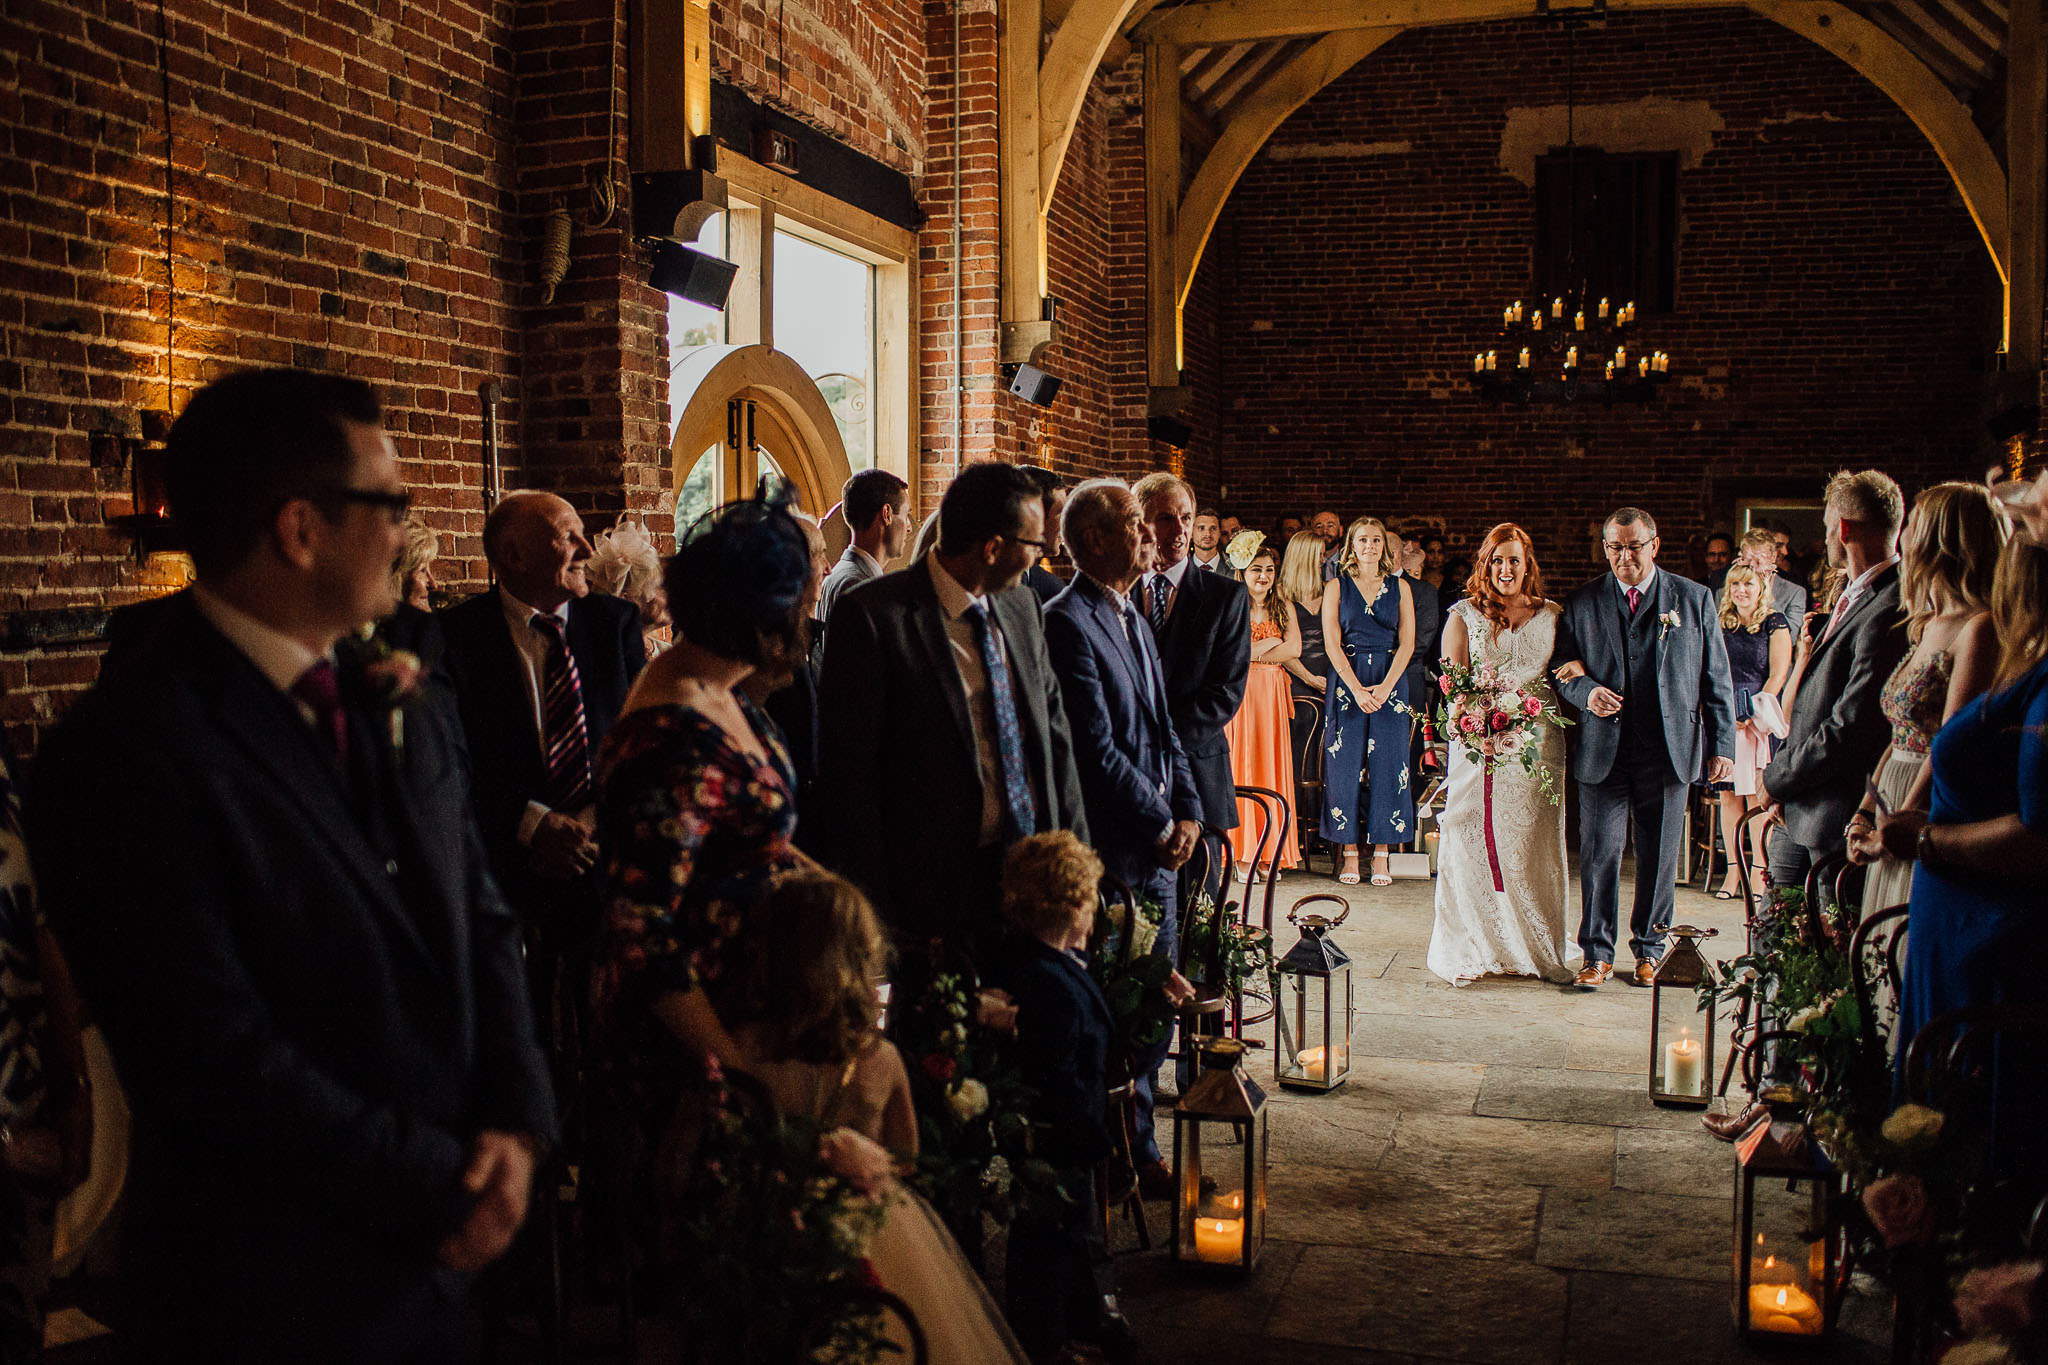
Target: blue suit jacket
x=1135 y=779
x=1694 y=690
x=1064 y=1035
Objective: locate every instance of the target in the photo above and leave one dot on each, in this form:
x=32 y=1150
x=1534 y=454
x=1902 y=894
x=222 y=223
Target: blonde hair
x=420 y=548
x=1301 y=570
x=1870 y=496
x=1158 y=482
x=1949 y=558
x=1731 y=616
x=624 y=563
x=1051 y=883
x=809 y=986
x=2019 y=610
x=1389 y=562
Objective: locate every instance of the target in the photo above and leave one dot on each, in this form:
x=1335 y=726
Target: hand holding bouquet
x=1496 y=722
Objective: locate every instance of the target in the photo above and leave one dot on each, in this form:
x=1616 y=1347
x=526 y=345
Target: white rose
x=1510 y=701
x=1912 y=1125
x=1799 y=1022
x=1510 y=745
x=969 y=1099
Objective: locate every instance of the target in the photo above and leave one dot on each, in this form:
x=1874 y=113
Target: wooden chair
x=1274 y=816
x=1205 y=1013
x=1308 y=782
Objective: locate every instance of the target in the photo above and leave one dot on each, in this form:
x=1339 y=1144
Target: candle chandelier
x=1572 y=344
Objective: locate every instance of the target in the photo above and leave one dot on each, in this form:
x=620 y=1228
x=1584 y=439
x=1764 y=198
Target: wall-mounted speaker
x=690 y=274
x=1034 y=385
x=1169 y=430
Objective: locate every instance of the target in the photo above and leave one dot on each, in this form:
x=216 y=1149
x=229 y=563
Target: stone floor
x=1491 y=1185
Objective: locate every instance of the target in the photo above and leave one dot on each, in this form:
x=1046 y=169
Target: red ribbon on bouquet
x=1486 y=802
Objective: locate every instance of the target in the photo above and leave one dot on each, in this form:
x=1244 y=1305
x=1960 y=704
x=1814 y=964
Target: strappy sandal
x=1380 y=878
x=1349 y=878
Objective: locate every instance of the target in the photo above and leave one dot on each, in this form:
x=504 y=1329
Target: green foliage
x=1247 y=950
x=1135 y=990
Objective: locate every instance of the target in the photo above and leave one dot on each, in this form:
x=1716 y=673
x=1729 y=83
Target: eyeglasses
x=1019 y=540
x=395 y=505
x=1629 y=547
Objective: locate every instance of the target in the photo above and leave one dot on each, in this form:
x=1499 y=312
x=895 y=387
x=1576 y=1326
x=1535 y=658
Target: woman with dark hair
x=696 y=802
x=1500 y=888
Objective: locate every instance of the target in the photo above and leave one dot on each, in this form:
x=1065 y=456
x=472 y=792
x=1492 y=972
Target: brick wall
x=1834 y=300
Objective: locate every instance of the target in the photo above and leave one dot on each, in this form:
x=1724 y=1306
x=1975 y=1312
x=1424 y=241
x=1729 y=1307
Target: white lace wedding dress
x=1500 y=883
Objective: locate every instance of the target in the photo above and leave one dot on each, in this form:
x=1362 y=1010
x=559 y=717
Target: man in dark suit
x=876 y=505
x=1836 y=730
x=1203 y=625
x=1143 y=804
x=942 y=739
x=264 y=869
x=1052 y=491
x=1655 y=700
x=540 y=666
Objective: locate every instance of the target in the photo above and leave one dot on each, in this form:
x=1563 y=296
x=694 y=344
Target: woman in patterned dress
x=1369 y=629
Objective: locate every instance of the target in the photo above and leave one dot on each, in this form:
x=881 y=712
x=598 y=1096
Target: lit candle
x=1490 y=358
x=1643 y=366
x=1610 y=369
x=1507 y=316
x=1579 y=321
x=1557 y=308
x=1571 y=358
x=1621 y=356
x=1524 y=362
x=1536 y=321
x=1683 y=1074
x=1312 y=1065
x=1603 y=308
x=1478 y=361
x=1219 y=1240
x=1518 y=310
x=1784 y=1308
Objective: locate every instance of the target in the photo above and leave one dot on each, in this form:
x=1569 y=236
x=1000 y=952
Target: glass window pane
x=692 y=326
x=699 y=493
x=824 y=320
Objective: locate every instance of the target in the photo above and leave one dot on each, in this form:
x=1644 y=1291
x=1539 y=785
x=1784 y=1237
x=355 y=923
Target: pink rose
x=1999 y=1299
x=1900 y=1210
x=1501 y=721
x=1531 y=706
x=1443 y=684
x=1469 y=724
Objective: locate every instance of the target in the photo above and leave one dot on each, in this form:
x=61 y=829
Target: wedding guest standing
x=1301 y=581
x=1948 y=560
x=1330 y=527
x=876 y=505
x=1052 y=492
x=1206 y=548
x=1261 y=745
x=1369 y=614
x=1759 y=643
x=1975 y=935
x=624 y=563
x=282 y=919
x=787 y=691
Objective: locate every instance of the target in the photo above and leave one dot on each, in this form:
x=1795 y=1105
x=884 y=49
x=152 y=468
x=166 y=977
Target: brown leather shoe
x=1645 y=974
x=1729 y=1127
x=1592 y=976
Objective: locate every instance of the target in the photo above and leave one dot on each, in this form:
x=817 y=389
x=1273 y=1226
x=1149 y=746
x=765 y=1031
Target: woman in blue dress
x=1977 y=931
x=1369 y=624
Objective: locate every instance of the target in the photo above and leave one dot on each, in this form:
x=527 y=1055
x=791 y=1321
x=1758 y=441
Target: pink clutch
x=1768 y=715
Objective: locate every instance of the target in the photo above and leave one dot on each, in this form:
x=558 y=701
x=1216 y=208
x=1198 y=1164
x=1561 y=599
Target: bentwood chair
x=1307 y=729
x=1275 y=815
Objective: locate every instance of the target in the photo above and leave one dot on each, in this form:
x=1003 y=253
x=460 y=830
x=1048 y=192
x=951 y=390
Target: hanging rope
x=554 y=251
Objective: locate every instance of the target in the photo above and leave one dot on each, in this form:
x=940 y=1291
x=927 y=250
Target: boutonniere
x=1666 y=624
x=386 y=678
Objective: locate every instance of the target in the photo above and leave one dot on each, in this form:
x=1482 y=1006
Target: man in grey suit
x=1837 y=730
x=942 y=737
x=1759 y=550
x=1655 y=698
x=875 y=504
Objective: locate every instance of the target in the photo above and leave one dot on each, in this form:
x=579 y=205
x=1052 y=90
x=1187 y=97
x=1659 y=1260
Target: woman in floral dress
x=1369 y=627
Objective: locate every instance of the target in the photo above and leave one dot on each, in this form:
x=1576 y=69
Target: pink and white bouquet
x=1497 y=722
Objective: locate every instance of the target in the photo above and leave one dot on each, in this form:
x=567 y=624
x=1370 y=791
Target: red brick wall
x=854 y=68
x=1833 y=295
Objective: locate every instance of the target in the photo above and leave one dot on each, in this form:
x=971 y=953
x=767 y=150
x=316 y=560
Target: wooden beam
x=1264 y=110
x=1023 y=212
x=1244 y=21
x=1070 y=63
x=2026 y=161
x=1163 y=115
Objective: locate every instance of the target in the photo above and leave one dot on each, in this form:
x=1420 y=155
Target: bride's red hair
x=1479 y=587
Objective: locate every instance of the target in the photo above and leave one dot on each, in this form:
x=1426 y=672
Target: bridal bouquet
x=1497 y=723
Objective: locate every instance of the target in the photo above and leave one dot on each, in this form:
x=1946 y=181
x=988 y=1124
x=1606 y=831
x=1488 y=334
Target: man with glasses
x=1651 y=682
x=942 y=738
x=268 y=880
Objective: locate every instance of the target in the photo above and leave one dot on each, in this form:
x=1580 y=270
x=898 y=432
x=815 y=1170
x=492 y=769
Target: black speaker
x=688 y=273
x=1170 y=430
x=1034 y=385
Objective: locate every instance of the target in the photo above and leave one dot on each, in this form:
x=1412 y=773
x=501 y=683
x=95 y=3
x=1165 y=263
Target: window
x=825 y=321
x=1625 y=209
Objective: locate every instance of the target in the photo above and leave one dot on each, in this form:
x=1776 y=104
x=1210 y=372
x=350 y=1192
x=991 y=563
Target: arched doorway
x=748 y=411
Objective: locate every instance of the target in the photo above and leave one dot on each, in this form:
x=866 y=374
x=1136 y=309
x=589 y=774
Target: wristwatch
x=1923 y=849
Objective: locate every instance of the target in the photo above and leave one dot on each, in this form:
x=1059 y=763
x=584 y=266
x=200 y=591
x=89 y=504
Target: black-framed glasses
x=395 y=505
x=1622 y=547
x=1037 y=545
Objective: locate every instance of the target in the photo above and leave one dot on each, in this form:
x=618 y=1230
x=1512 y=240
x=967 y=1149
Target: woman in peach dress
x=1261 y=750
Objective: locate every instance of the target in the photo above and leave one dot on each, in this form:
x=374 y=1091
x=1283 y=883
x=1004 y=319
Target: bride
x=1500 y=888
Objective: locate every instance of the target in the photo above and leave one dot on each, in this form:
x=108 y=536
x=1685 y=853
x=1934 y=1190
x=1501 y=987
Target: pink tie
x=1635 y=595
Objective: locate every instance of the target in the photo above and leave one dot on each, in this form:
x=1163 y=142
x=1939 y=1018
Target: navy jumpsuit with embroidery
x=1365 y=755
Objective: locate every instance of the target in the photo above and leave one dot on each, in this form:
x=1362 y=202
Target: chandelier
x=1574 y=346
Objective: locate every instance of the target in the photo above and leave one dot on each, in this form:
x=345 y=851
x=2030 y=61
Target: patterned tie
x=562 y=724
x=1635 y=595
x=1020 y=814
x=1158 y=590
x=319 y=687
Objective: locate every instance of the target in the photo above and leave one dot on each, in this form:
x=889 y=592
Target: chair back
x=1874 y=951
x=1275 y=814
x=1212 y=850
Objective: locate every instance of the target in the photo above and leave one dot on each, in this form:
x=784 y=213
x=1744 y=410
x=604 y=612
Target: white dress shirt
x=1853 y=594
x=1173 y=577
x=1214 y=564
x=532 y=648
x=277 y=656
x=954 y=601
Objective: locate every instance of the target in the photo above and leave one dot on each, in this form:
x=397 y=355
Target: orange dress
x=1262 y=751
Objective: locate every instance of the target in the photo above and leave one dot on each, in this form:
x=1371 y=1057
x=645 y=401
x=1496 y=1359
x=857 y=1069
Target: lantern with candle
x=1314 y=1010
x=1787 y=1246
x=1681 y=1028
x=1219 y=1130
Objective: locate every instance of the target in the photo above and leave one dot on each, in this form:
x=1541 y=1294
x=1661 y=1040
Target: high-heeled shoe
x=1348 y=876
x=1381 y=873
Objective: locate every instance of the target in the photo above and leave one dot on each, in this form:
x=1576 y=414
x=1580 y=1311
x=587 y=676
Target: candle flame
x=1781 y=1298
x=1769 y=1261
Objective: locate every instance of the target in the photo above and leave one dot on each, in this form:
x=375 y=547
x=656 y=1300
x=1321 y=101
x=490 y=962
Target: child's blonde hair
x=1050 y=884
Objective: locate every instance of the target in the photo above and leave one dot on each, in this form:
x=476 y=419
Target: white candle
x=1579 y=322
x=1219 y=1240
x=1478 y=362
x=1571 y=358
x=1784 y=1308
x=1683 y=1067
x=1610 y=369
x=1557 y=308
x=1603 y=308
x=1643 y=366
x=1524 y=362
x=1490 y=358
x=1536 y=322
x=1312 y=1064
x=1621 y=356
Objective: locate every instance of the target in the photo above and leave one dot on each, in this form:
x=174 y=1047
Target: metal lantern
x=1222 y=1110
x=1313 y=1003
x=1681 y=1028
x=1786 y=1245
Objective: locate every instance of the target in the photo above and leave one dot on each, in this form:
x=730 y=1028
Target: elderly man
x=280 y=911
x=541 y=666
x=1140 y=791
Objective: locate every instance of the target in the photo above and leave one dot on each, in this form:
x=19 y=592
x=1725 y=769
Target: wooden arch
x=794 y=409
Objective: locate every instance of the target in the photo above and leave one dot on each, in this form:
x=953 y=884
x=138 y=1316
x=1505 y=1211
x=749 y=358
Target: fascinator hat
x=737 y=577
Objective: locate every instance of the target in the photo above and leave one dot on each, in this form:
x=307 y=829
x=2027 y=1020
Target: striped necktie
x=1156 y=606
x=563 y=729
x=1020 y=813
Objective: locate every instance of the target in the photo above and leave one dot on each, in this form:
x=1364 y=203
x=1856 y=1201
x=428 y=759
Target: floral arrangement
x=1247 y=950
x=1243 y=548
x=1497 y=723
x=765 y=1222
x=970 y=1105
x=1135 y=988
x=382 y=676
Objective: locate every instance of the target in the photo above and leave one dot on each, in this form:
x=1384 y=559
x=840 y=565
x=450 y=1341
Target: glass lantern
x=1681 y=1028
x=1786 y=1245
x=1219 y=1130
x=1313 y=1005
